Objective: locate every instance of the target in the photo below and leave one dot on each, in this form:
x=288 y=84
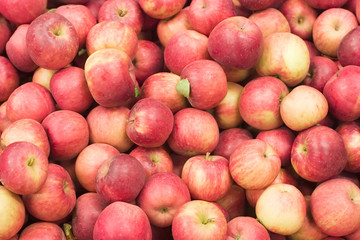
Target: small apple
x=9 y=78
x=348 y=53
x=46 y=230
x=234 y=201
x=246 y=228
x=22 y=11
x=161 y=9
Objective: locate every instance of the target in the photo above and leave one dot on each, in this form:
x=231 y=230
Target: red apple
x=9 y=78
x=161 y=9
x=327 y=4
x=234 y=201
x=22 y=11
x=256 y=5
x=46 y=230
x=94 y=6
x=313 y=51
x=353 y=236
x=348 y=51
x=247 y=228
x=4 y=120
x=5 y=33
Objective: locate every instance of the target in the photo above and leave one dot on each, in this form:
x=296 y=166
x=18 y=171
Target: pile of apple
x=175 y=119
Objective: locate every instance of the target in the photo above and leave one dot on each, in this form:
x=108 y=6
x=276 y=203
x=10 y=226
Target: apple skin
x=46 y=230
x=281 y=208
x=128 y=174
x=256 y=5
x=69 y=89
x=27 y=130
x=12 y=217
x=107 y=225
x=313 y=51
x=87 y=210
x=195 y=132
x=161 y=9
x=236 y=42
x=128 y=12
x=341 y=92
x=17 y=50
x=234 y=201
x=318 y=154
x=9 y=78
x=248 y=162
x=5 y=33
x=68 y=134
x=263 y=112
x=247 y=228
x=318 y=4
x=4 y=120
x=335 y=207
x=94 y=6
x=327 y=36
x=89 y=161
x=348 y=51
x=56 y=198
x=149 y=123
x=199 y=219
x=54 y=50
x=162 y=195
x=43 y=76
x=21 y=12
x=353 y=236
x=81 y=17
x=39 y=102
x=303 y=107
x=199 y=74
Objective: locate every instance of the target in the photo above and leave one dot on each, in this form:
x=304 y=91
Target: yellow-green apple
x=43 y=76
x=183 y=48
x=285 y=56
x=301 y=17
x=162 y=86
x=70 y=91
x=154 y=160
x=45 y=230
x=207 y=177
x=116 y=67
x=229 y=140
x=52 y=41
x=17 y=51
x=9 y=78
x=39 y=102
x=330 y=27
x=89 y=161
x=303 y=107
x=281 y=208
x=270 y=20
x=161 y=9
x=335 y=207
x=148 y=60
x=68 y=134
x=237 y=42
x=350 y=133
x=256 y=5
x=88 y=208
x=136 y=223
x=162 y=195
x=254 y=164
x=112 y=34
x=81 y=18
x=348 y=51
x=5 y=33
x=246 y=228
x=4 y=120
x=149 y=123
x=341 y=92
x=314 y=160
x=56 y=199
x=318 y=4
x=259 y=104
x=204 y=15
x=203 y=83
x=125 y=11
x=199 y=219
x=320 y=71
x=234 y=201
x=120 y=178
x=12 y=217
x=27 y=130
x=108 y=125
x=23 y=167
x=22 y=11
x=227 y=113
x=281 y=139
x=195 y=132
x=166 y=28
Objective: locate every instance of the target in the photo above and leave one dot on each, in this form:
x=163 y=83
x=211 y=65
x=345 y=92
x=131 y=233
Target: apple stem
x=137 y=92
x=183 y=87
x=82 y=51
x=208 y=220
x=68 y=231
x=207 y=156
x=30 y=161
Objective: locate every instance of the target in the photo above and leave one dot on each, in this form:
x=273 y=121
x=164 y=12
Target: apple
x=145 y=119
x=353 y=236
x=46 y=230
x=246 y=228
x=254 y=164
x=68 y=134
x=236 y=75
x=303 y=107
x=94 y=6
x=9 y=78
x=39 y=102
x=22 y=11
x=236 y=42
x=74 y=1
x=178 y=163
x=56 y=198
x=199 y=219
x=285 y=56
x=335 y=207
x=262 y=111
x=315 y=161
x=313 y=51
x=43 y=76
x=256 y=5
x=350 y=5
x=349 y=176
x=318 y=4
x=4 y=120
x=347 y=52
x=161 y=9
x=88 y=162
x=5 y=33
x=234 y=201
x=330 y=27
x=195 y=132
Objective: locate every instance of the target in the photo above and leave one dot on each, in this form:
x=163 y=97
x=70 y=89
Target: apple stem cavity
x=238 y=237
x=183 y=87
x=164 y=209
x=208 y=220
x=82 y=52
x=122 y=12
x=31 y=161
x=65 y=184
x=68 y=231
